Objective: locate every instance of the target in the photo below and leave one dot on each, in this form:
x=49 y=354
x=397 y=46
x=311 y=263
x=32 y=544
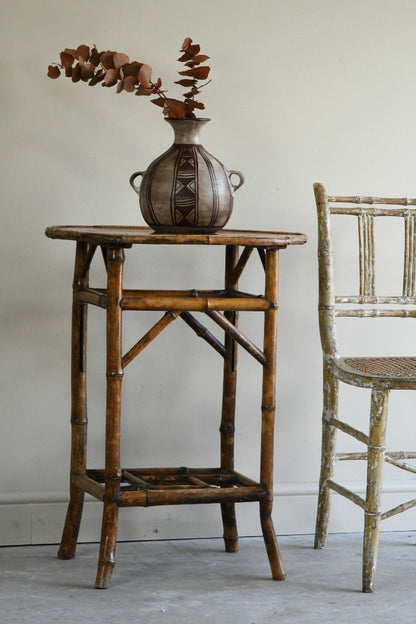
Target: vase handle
x=132 y=179
x=232 y=172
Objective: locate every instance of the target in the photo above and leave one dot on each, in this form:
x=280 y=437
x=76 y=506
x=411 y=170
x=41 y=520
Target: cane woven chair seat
x=378 y=374
x=395 y=372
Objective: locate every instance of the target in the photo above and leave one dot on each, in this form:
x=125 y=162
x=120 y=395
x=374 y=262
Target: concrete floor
x=195 y=581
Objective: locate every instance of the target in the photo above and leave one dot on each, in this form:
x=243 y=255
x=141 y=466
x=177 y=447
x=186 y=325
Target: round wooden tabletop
x=120 y=236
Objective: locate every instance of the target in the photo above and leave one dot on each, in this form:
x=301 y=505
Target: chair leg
x=79 y=419
x=376 y=451
x=270 y=541
x=330 y=410
x=114 y=375
x=227 y=442
x=230 y=527
x=106 y=559
x=268 y=408
x=69 y=538
x=228 y=406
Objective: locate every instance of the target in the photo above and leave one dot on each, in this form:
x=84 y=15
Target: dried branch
x=112 y=68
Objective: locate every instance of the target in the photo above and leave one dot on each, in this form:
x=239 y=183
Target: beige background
x=302 y=90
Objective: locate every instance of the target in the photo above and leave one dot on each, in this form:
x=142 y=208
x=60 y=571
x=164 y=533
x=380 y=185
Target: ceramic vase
x=186 y=189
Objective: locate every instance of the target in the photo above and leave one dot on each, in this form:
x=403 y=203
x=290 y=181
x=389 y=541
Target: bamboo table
x=127 y=487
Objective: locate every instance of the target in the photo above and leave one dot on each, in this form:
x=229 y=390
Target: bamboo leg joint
x=226 y=428
x=373 y=514
x=376 y=448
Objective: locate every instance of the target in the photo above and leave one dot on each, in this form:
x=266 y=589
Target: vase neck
x=187 y=130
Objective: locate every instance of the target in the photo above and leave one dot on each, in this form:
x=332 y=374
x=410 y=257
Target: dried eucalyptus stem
x=115 y=68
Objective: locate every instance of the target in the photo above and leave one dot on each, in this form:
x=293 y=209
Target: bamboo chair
x=380 y=374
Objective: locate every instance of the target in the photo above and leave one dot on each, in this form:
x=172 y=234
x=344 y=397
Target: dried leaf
x=87 y=70
x=185 y=82
x=200 y=73
x=143 y=91
x=76 y=73
x=129 y=84
x=98 y=77
x=66 y=59
x=174 y=108
x=83 y=52
x=132 y=69
x=158 y=101
x=189 y=113
x=54 y=71
x=71 y=52
x=200 y=58
x=95 y=57
x=193 y=49
x=120 y=59
x=110 y=78
x=191 y=93
x=185 y=57
x=196 y=60
x=187 y=42
x=158 y=83
x=193 y=104
x=68 y=71
x=145 y=75
x=106 y=59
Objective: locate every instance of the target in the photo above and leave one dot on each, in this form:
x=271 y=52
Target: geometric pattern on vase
x=184 y=198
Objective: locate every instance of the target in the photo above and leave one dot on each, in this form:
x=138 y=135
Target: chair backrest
x=366 y=302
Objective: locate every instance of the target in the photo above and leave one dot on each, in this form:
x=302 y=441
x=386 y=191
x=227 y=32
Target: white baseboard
x=38 y=517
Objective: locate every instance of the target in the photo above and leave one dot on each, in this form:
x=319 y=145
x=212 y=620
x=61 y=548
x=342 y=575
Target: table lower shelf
x=145 y=487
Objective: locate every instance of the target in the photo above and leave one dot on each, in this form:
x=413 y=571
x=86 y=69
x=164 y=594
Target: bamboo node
x=107 y=562
x=116 y=477
x=374 y=447
x=115 y=254
x=225 y=428
x=268 y=408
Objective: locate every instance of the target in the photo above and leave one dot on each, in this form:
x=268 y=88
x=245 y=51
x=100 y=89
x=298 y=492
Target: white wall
x=302 y=90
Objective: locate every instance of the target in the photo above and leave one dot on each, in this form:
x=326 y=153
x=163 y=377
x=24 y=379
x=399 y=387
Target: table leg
x=79 y=419
x=228 y=406
x=268 y=414
x=115 y=259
